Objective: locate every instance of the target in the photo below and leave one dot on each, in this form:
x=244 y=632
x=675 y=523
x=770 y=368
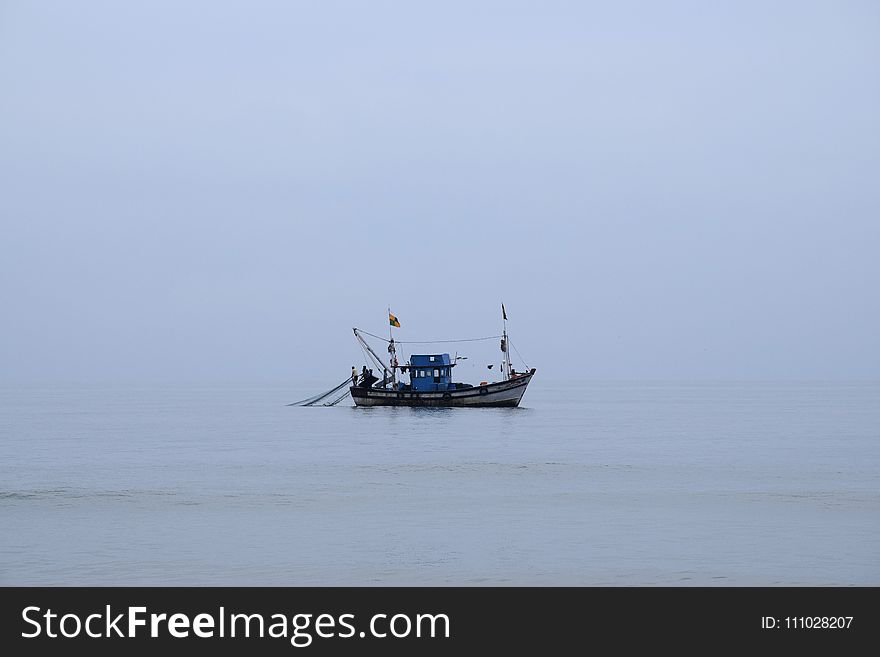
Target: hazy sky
x=218 y=191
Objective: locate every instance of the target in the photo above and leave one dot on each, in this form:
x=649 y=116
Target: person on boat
x=364 y=373
x=354 y=376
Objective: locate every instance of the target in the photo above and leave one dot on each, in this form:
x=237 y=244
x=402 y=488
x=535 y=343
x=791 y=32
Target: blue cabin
x=431 y=372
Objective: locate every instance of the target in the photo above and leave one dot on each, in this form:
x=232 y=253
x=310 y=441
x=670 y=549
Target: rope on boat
x=490 y=337
x=379 y=337
x=311 y=401
x=517 y=353
x=337 y=400
x=321 y=400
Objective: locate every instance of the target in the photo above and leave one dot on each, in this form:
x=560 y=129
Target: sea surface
x=586 y=484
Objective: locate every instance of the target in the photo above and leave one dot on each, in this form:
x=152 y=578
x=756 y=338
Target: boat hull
x=501 y=394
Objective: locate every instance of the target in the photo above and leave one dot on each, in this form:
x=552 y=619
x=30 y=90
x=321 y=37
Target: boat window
x=431 y=358
x=436 y=373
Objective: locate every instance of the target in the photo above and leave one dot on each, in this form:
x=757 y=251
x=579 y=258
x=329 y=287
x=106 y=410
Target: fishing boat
x=425 y=379
x=430 y=380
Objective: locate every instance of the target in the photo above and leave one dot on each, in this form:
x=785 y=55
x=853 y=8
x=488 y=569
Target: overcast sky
x=218 y=191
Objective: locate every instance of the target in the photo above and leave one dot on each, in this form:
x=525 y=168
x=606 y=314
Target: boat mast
x=505 y=345
x=392 y=352
x=369 y=349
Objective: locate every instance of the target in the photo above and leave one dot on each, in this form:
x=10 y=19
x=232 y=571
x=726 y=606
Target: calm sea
x=592 y=484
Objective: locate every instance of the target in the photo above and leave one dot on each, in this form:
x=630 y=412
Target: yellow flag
x=393 y=320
